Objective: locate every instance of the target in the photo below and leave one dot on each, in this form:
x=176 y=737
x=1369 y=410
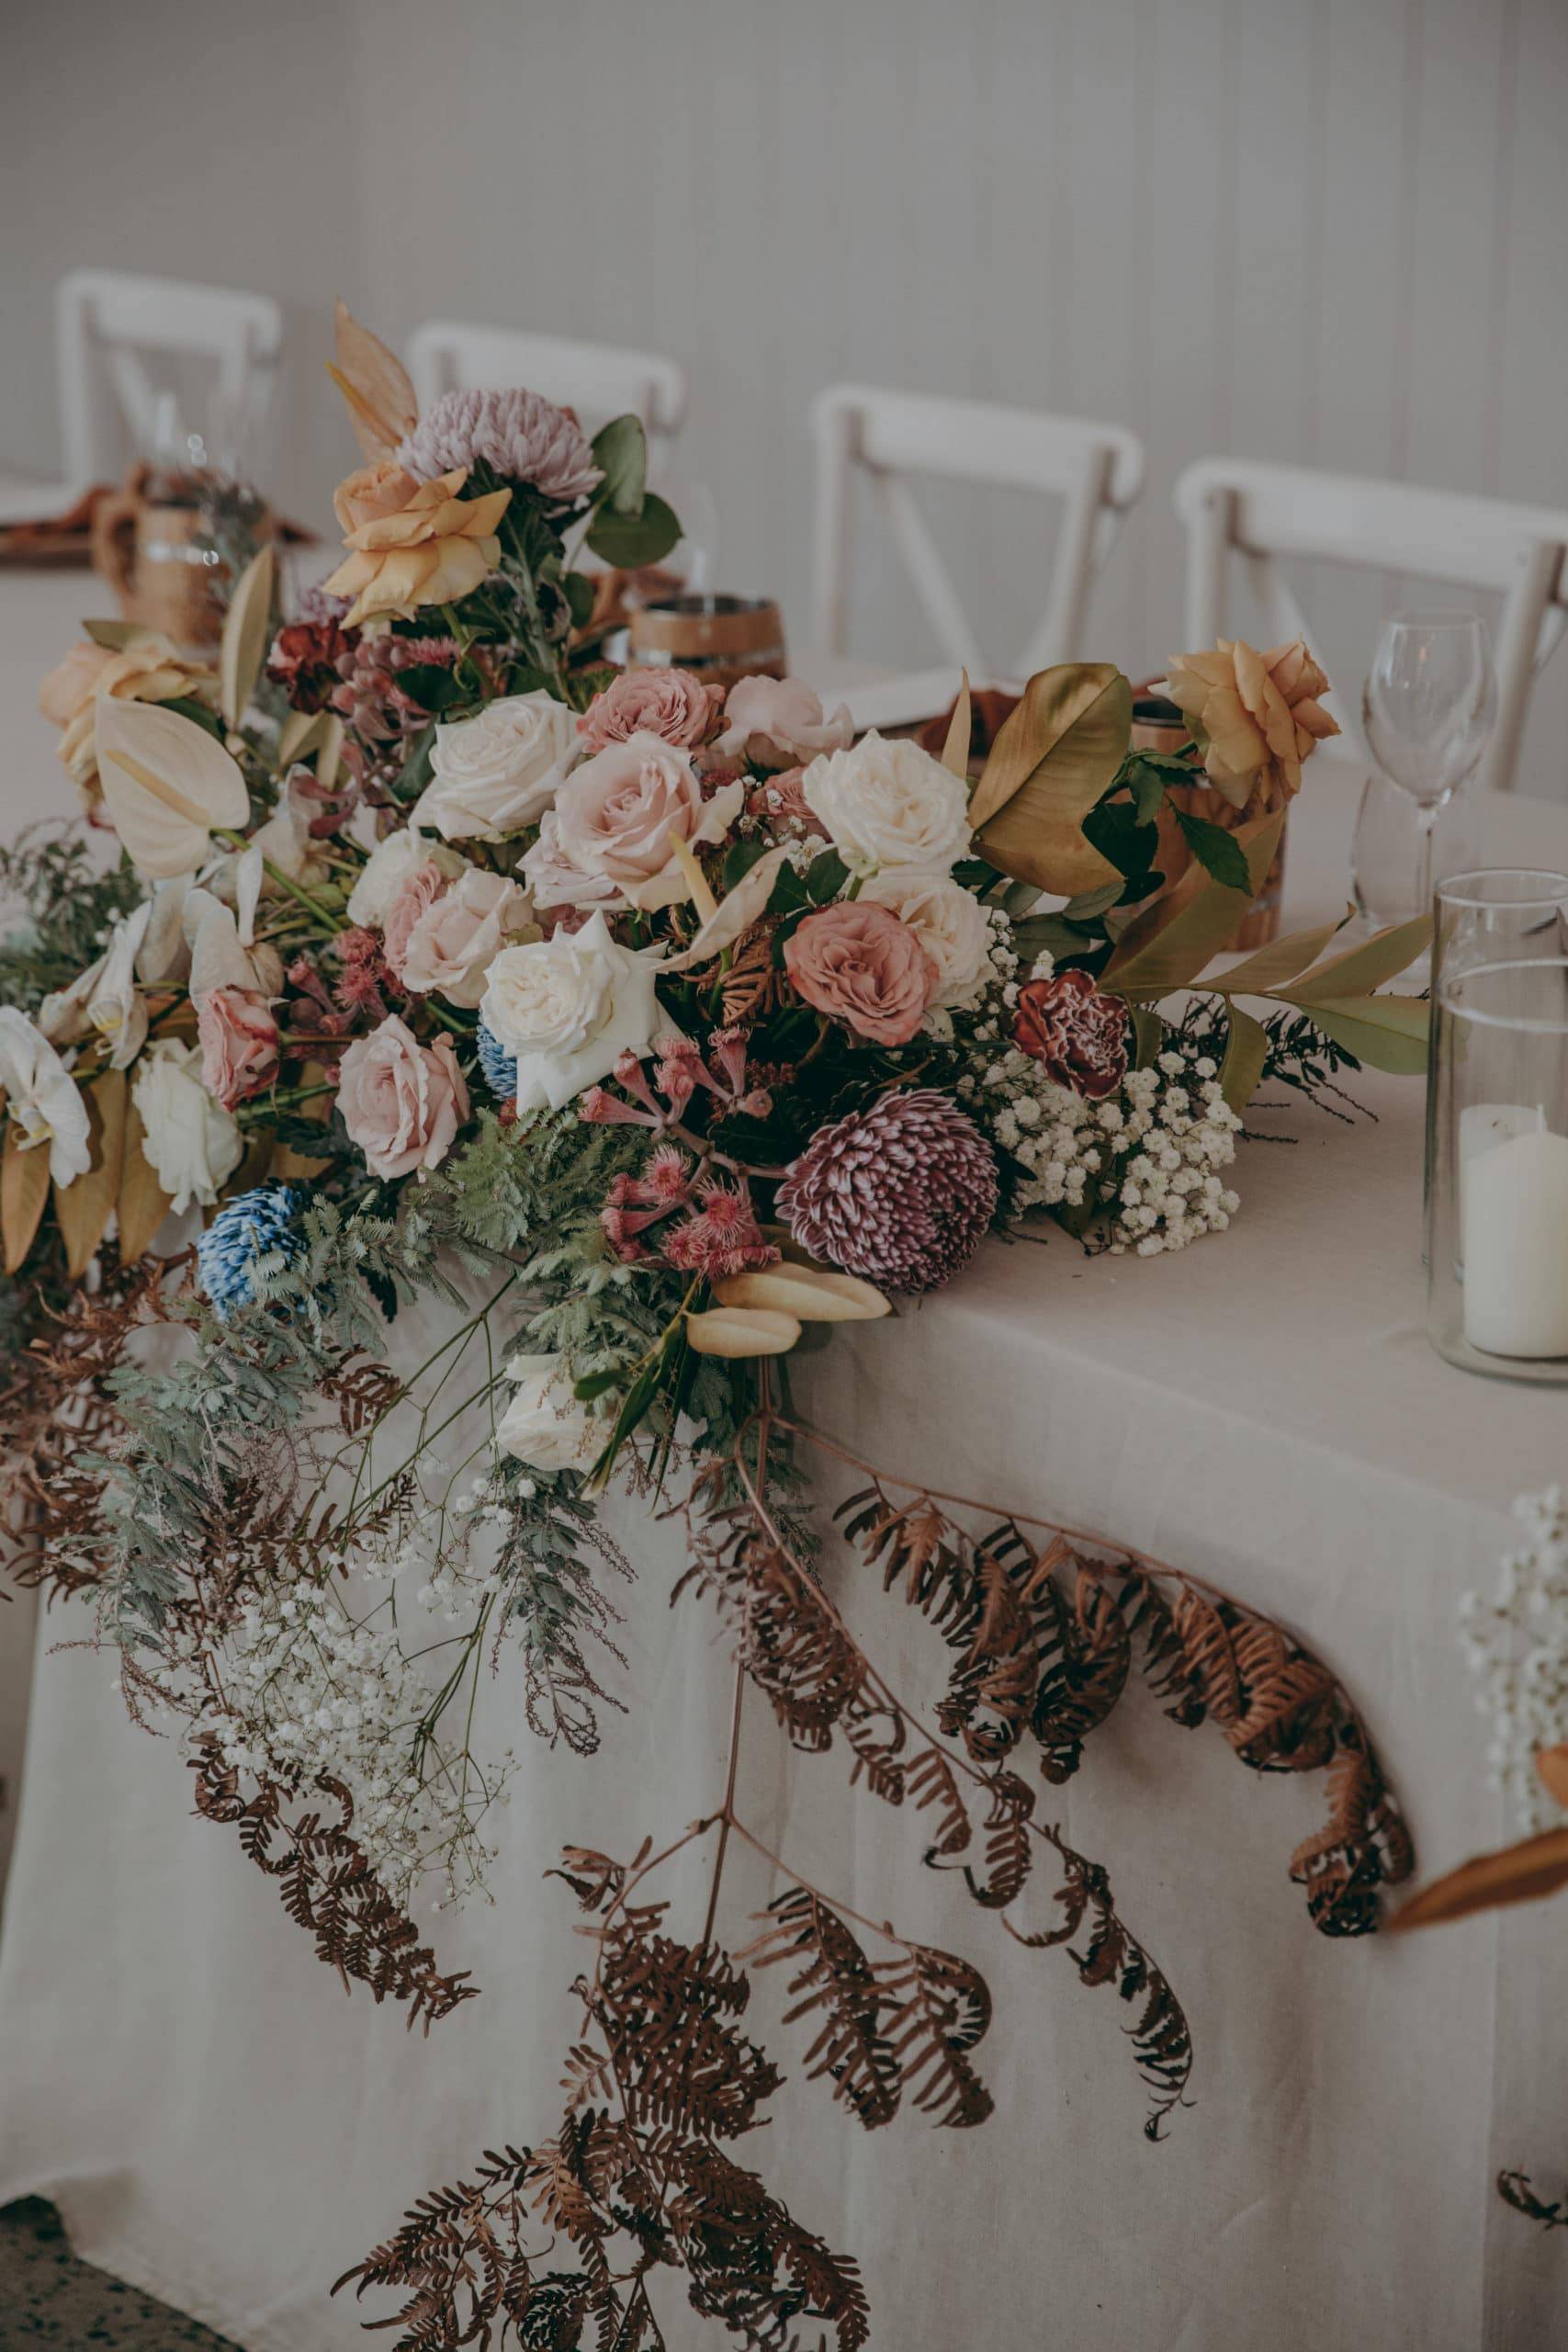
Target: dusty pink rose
x=670 y=703
x=555 y=883
x=778 y=722
x=455 y=941
x=238 y=1043
x=619 y=814
x=781 y=803
x=859 y=964
x=417 y=893
x=402 y=1103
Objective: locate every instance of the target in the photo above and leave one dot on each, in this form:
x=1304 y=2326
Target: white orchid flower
x=114 y=1005
x=43 y=1099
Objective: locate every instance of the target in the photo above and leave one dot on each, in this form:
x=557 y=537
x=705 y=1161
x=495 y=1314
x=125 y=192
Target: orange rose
x=1255 y=716
x=412 y=543
x=149 y=670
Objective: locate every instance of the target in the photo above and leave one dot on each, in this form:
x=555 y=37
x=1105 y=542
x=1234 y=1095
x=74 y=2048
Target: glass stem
x=1427 y=818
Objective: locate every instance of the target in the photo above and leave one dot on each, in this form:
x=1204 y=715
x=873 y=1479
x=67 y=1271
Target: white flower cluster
x=1517 y=1645
x=1150 y=1153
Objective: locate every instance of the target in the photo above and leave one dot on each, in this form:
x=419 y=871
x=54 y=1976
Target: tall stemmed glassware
x=1431 y=706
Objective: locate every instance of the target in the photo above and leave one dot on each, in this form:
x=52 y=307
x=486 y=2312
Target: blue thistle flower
x=257 y=1223
x=499 y=1067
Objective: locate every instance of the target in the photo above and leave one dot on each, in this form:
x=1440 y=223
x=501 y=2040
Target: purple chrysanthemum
x=518 y=434
x=900 y=1193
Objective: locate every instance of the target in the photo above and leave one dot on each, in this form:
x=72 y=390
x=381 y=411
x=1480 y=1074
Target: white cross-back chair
x=1263 y=513
x=113 y=326
x=598 y=380
x=1096 y=469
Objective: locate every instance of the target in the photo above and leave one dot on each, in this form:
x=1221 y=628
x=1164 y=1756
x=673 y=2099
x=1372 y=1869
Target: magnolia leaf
x=1389 y=1031
x=1551 y=1770
x=620 y=451
x=246 y=633
x=1055 y=755
x=1282 y=960
x=1175 y=956
x=955 y=749
x=24 y=1189
x=143 y=1204
x=1360 y=969
x=374 y=383
x=743 y=1331
x=1246 y=1050
x=1521 y=1874
x=328 y=758
x=83 y=1208
x=307 y=731
x=167 y=783
x=116 y=637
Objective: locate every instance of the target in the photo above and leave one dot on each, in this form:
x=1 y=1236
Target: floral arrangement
x=616 y=1032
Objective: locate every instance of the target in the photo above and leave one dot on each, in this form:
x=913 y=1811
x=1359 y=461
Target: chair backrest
x=598 y=380
x=110 y=322
x=1265 y=512
x=1097 y=469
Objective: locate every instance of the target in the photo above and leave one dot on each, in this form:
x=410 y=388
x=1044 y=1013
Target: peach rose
x=418 y=543
x=149 y=670
x=416 y=894
x=778 y=722
x=619 y=814
x=402 y=1103
x=1255 y=716
x=459 y=935
x=238 y=1043
x=859 y=964
x=670 y=703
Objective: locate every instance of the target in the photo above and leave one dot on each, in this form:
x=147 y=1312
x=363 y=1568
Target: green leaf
x=1389 y=1031
x=596 y=1384
x=1049 y=935
x=629 y=541
x=1360 y=969
x=1218 y=852
x=738 y=860
x=1174 y=955
x=825 y=878
x=1146 y=785
x=1246 y=1050
x=620 y=450
x=1148 y=1031
x=1090 y=903
x=1282 y=960
x=578 y=590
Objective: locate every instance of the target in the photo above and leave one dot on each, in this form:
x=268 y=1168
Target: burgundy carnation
x=1078 y=1033
x=304 y=661
x=900 y=1193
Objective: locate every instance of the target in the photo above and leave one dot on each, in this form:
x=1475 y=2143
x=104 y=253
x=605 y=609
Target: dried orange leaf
x=955 y=749
x=1522 y=1873
x=24 y=1189
x=246 y=627
x=83 y=1208
x=1551 y=1767
x=143 y=1204
x=374 y=383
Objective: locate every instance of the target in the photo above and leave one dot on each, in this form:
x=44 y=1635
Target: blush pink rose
x=860 y=965
x=778 y=723
x=556 y=884
x=417 y=893
x=620 y=812
x=402 y=1103
x=781 y=803
x=458 y=936
x=669 y=703
x=238 y=1043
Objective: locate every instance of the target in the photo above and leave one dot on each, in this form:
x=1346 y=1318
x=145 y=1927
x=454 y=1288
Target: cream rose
x=545 y=1425
x=889 y=804
x=778 y=722
x=455 y=942
x=499 y=770
x=619 y=815
x=568 y=1007
x=42 y=1098
x=149 y=670
x=402 y=1103
x=390 y=864
x=192 y=1143
x=948 y=920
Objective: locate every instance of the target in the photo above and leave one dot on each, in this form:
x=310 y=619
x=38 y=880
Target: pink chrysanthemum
x=518 y=434
x=900 y=1193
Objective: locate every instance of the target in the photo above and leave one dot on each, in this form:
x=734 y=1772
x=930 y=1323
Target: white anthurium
x=220 y=957
x=736 y=911
x=165 y=953
x=286 y=842
x=568 y=1007
x=44 y=1101
x=169 y=784
x=114 y=1005
x=250 y=872
x=546 y=1425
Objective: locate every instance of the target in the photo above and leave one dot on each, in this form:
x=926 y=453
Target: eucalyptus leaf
x=1090 y=903
x=1280 y=960
x=1360 y=969
x=1388 y=1032
x=630 y=541
x=620 y=451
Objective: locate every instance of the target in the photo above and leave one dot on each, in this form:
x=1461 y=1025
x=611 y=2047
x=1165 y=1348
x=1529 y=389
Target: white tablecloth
x=219 y=2125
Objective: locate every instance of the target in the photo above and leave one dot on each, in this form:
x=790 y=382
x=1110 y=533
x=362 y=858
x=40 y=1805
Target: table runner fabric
x=218 y=2123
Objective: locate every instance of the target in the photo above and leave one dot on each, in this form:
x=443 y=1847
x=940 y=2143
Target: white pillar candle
x=1514 y=1233
x=1485 y=1124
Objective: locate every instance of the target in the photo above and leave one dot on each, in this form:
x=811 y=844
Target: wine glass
x=1429 y=707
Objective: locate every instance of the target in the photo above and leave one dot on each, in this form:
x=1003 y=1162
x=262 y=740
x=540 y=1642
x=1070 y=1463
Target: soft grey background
x=1330 y=230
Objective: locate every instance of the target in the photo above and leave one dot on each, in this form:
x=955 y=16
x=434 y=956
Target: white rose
x=567 y=1008
x=888 y=804
x=391 y=863
x=948 y=920
x=43 y=1099
x=497 y=772
x=455 y=941
x=545 y=1425
x=193 y=1144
